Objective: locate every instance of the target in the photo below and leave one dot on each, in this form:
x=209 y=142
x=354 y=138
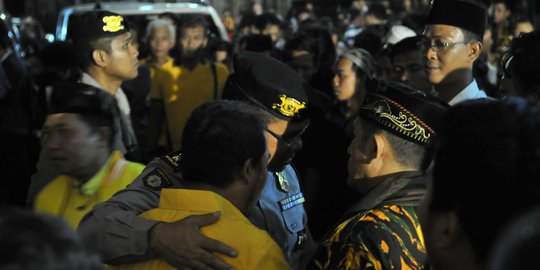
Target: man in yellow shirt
x=79 y=132
x=224 y=159
x=160 y=38
x=179 y=88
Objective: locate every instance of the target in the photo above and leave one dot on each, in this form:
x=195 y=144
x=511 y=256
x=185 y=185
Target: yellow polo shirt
x=70 y=199
x=256 y=249
x=182 y=90
x=153 y=68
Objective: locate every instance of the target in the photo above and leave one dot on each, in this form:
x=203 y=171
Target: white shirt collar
x=470 y=92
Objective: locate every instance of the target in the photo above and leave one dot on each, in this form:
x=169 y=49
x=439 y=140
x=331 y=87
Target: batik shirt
x=387 y=236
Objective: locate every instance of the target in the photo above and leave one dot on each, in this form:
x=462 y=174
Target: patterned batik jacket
x=381 y=231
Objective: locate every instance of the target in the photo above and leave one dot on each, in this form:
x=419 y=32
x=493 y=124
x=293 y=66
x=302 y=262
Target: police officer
x=103 y=50
x=114 y=229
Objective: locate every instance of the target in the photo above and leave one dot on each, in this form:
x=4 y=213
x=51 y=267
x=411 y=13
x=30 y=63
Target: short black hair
x=369 y=40
x=264 y=20
x=486 y=166
x=219 y=137
x=83 y=50
x=316 y=40
x=522 y=63
x=406 y=152
x=191 y=21
x=41 y=241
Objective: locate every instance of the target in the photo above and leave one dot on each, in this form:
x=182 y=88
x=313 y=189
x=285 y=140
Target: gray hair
x=157 y=23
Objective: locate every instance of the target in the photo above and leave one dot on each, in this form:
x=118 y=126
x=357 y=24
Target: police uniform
x=91 y=26
x=113 y=227
x=281 y=213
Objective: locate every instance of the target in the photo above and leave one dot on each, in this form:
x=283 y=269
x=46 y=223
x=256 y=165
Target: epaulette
x=172 y=159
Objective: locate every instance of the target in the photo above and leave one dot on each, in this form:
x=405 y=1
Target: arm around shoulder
x=114 y=229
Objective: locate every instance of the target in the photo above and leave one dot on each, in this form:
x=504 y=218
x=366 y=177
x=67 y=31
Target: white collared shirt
x=126 y=137
x=470 y=92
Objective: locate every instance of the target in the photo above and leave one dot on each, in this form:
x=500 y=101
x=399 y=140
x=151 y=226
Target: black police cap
x=270 y=84
x=97 y=24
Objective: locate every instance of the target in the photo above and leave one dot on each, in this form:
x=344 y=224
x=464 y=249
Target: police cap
x=97 y=24
x=270 y=85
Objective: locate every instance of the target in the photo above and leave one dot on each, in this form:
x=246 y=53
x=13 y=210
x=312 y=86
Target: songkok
x=269 y=84
x=460 y=14
x=401 y=110
x=97 y=24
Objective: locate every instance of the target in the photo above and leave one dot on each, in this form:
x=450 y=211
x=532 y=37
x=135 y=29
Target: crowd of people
x=402 y=135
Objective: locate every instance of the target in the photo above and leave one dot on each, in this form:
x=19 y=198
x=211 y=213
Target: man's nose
x=404 y=76
x=429 y=53
x=134 y=52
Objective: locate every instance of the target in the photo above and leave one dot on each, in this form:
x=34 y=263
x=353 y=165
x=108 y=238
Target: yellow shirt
x=256 y=249
x=153 y=68
x=68 y=198
x=182 y=90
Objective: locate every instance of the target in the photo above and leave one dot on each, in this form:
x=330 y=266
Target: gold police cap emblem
x=289 y=106
x=113 y=23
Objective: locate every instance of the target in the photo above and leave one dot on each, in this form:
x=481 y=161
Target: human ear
x=247 y=171
x=100 y=57
x=375 y=149
x=475 y=48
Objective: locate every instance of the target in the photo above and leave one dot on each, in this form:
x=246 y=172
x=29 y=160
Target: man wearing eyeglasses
x=452 y=42
x=115 y=230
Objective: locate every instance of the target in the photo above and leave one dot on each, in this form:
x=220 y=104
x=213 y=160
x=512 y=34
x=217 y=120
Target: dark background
x=46 y=11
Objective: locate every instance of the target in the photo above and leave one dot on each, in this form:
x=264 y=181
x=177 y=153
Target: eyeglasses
x=290 y=138
x=438 y=45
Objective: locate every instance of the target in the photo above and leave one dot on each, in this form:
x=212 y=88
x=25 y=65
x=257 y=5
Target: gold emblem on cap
x=404 y=122
x=289 y=106
x=113 y=23
x=408 y=125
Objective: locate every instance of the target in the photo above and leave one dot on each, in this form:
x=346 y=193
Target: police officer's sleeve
x=114 y=229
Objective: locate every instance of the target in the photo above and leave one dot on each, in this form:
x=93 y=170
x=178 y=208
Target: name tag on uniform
x=292 y=201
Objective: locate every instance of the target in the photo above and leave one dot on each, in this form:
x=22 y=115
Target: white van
x=139 y=14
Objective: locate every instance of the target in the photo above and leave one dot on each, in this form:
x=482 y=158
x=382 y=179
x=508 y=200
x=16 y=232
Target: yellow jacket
x=256 y=249
x=70 y=199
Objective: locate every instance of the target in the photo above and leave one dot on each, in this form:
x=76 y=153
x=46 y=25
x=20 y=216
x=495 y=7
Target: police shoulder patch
x=173 y=159
x=157 y=180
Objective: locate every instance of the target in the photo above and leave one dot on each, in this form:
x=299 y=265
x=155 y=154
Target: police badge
x=157 y=180
x=283 y=184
